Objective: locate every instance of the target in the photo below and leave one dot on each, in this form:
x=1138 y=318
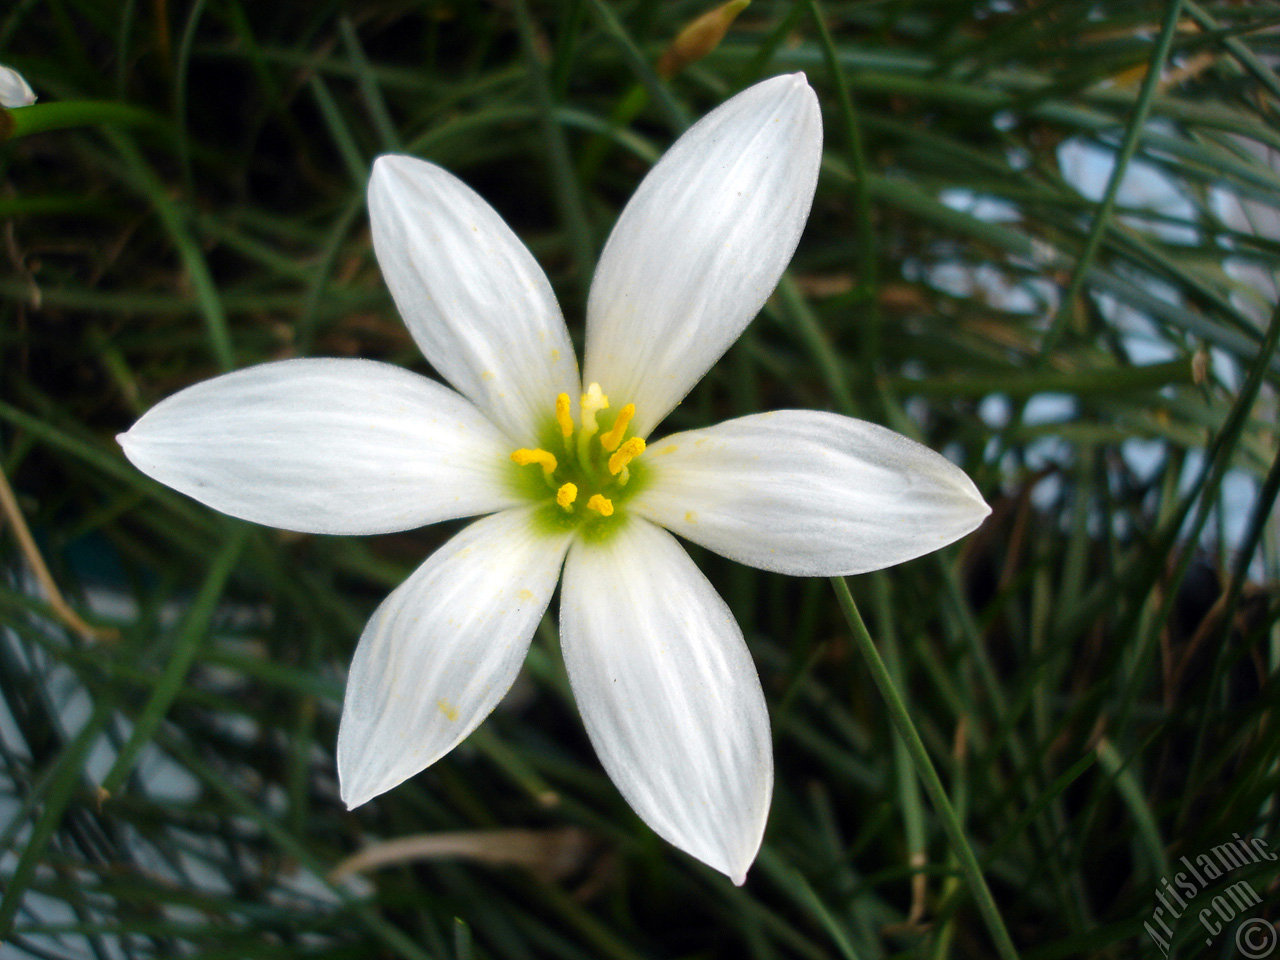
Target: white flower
x=14 y=89
x=659 y=668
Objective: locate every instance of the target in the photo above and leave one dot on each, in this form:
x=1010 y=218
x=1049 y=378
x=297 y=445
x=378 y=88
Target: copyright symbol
x=1255 y=938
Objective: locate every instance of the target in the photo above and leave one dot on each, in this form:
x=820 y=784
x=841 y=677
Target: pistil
x=592 y=402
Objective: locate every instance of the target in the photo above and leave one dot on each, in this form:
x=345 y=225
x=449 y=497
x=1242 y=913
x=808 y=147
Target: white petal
x=807 y=493
x=326 y=446
x=443 y=649
x=701 y=246
x=669 y=694
x=14 y=89
x=475 y=300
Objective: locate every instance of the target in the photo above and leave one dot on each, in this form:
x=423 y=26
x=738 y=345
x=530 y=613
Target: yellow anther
x=563 y=416
x=601 y=505
x=567 y=494
x=546 y=461
x=592 y=401
x=611 y=439
x=626 y=453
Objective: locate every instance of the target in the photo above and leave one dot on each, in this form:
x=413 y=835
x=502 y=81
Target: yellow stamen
x=567 y=494
x=592 y=401
x=601 y=505
x=546 y=461
x=563 y=417
x=611 y=439
x=626 y=453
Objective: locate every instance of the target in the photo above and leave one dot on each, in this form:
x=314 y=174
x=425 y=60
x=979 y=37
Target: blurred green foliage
x=1045 y=241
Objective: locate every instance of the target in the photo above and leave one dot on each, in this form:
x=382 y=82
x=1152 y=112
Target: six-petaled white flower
x=565 y=476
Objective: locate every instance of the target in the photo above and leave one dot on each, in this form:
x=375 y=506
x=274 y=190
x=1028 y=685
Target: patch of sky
x=995 y=410
x=1143 y=340
x=983 y=207
x=1029 y=295
x=1087 y=165
x=1144 y=457
x=1258 y=288
x=1018 y=158
x=1151 y=201
x=1237 y=500
x=1044 y=408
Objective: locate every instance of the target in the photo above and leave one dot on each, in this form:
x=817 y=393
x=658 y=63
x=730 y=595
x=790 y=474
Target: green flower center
x=585 y=473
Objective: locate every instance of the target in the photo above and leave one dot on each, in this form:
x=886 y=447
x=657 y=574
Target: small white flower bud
x=14 y=89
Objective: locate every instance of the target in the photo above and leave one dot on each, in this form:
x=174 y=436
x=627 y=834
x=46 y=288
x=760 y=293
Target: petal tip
x=970 y=510
x=981 y=509
x=129 y=442
x=392 y=169
x=732 y=863
x=385 y=166
x=736 y=867
x=353 y=793
x=790 y=84
x=386 y=162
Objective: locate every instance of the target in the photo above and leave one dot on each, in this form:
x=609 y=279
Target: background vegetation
x=1045 y=241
